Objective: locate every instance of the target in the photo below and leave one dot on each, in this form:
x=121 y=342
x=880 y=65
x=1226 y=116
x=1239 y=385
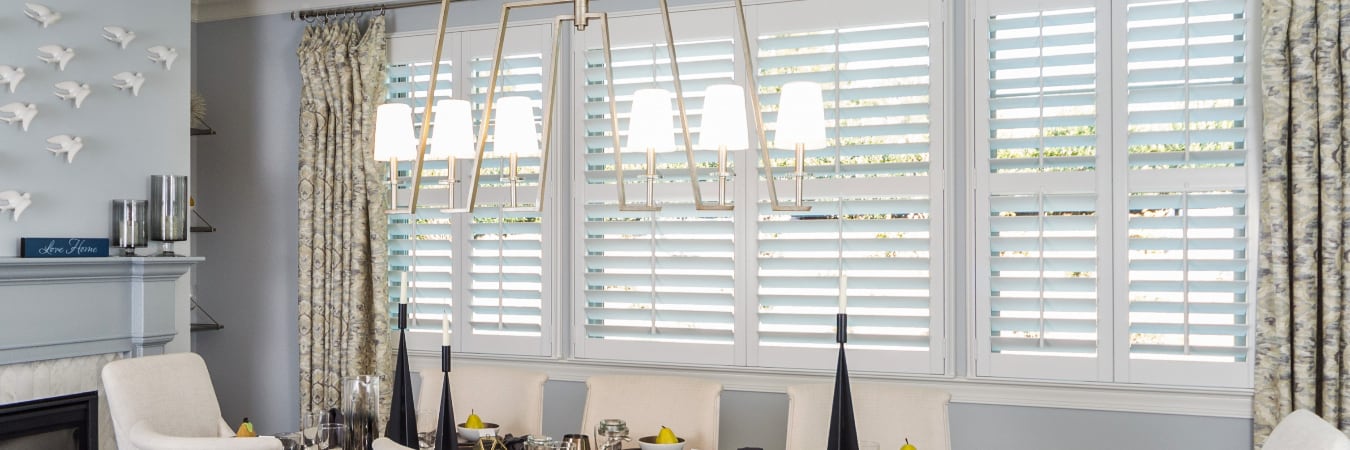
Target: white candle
x=843 y=294
x=403 y=287
x=445 y=330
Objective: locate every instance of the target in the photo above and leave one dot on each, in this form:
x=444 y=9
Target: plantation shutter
x=656 y=286
x=499 y=263
x=506 y=262
x=1189 y=228
x=1041 y=213
x=421 y=245
x=874 y=192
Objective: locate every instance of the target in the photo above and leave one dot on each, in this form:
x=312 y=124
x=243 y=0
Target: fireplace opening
x=56 y=423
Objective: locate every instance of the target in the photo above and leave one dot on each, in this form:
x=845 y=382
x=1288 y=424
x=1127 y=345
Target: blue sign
x=63 y=247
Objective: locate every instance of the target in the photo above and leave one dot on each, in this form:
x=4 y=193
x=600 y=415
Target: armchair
x=167 y=402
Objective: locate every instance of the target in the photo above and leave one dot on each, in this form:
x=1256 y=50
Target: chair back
x=886 y=413
x=688 y=406
x=511 y=398
x=1303 y=430
x=172 y=394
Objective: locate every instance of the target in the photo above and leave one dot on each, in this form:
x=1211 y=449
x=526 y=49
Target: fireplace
x=56 y=423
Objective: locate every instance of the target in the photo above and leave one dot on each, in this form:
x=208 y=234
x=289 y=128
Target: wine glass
x=331 y=436
x=309 y=426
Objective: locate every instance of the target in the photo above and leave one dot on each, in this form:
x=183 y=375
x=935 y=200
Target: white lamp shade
x=723 y=119
x=514 y=131
x=394 y=133
x=801 y=117
x=649 y=123
x=453 y=134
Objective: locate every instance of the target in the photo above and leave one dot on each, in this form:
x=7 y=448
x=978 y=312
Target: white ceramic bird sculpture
x=41 y=13
x=118 y=35
x=11 y=76
x=14 y=201
x=73 y=90
x=56 y=54
x=67 y=144
x=129 y=80
x=18 y=112
x=162 y=54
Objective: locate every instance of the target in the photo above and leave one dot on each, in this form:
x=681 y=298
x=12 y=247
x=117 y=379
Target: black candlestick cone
x=445 y=428
x=402 y=426
x=843 y=428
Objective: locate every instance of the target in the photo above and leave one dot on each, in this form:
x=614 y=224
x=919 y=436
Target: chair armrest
x=145 y=438
x=225 y=430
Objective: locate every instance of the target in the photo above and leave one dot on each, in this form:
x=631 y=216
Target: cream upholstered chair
x=689 y=406
x=884 y=412
x=511 y=398
x=167 y=402
x=1303 y=430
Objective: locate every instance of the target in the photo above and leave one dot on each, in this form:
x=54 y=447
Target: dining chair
x=167 y=401
x=385 y=443
x=886 y=413
x=1303 y=430
x=688 y=406
x=511 y=398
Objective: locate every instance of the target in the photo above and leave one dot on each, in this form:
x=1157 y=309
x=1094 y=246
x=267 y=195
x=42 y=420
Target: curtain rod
x=359 y=9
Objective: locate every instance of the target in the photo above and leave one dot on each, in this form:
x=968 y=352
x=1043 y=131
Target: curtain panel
x=344 y=323
x=1302 y=286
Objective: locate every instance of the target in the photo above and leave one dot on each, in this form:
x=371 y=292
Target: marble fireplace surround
x=62 y=319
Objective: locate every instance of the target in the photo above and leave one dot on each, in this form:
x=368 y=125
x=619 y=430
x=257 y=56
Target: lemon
x=908 y=446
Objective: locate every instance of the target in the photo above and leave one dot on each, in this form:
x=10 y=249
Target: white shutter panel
x=493 y=258
x=872 y=203
x=654 y=286
x=1189 y=231
x=1043 y=236
x=507 y=252
x=421 y=244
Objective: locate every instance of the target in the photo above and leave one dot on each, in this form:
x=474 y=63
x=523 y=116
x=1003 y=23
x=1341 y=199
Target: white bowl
x=648 y=443
x=472 y=434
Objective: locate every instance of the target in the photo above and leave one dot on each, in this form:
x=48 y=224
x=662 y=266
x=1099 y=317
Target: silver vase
x=168 y=211
x=129 y=225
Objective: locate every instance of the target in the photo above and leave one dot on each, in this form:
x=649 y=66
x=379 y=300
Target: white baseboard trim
x=1227 y=403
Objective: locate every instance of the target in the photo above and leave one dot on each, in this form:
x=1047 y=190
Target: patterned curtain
x=1302 y=285
x=344 y=324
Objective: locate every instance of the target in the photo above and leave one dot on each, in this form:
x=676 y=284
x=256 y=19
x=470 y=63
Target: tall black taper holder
x=445 y=428
x=402 y=426
x=843 y=429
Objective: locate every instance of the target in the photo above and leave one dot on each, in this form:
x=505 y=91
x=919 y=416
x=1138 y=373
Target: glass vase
x=360 y=410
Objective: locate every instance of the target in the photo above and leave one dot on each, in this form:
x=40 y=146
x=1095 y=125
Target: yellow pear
x=473 y=422
x=908 y=446
x=666 y=437
x=246 y=429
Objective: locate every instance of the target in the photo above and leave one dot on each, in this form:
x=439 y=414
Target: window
x=756 y=287
x=1105 y=187
x=1112 y=204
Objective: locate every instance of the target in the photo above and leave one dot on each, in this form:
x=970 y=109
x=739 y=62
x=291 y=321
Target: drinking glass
x=331 y=436
x=309 y=426
x=360 y=403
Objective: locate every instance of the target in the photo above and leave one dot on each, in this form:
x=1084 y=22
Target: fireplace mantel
x=69 y=307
